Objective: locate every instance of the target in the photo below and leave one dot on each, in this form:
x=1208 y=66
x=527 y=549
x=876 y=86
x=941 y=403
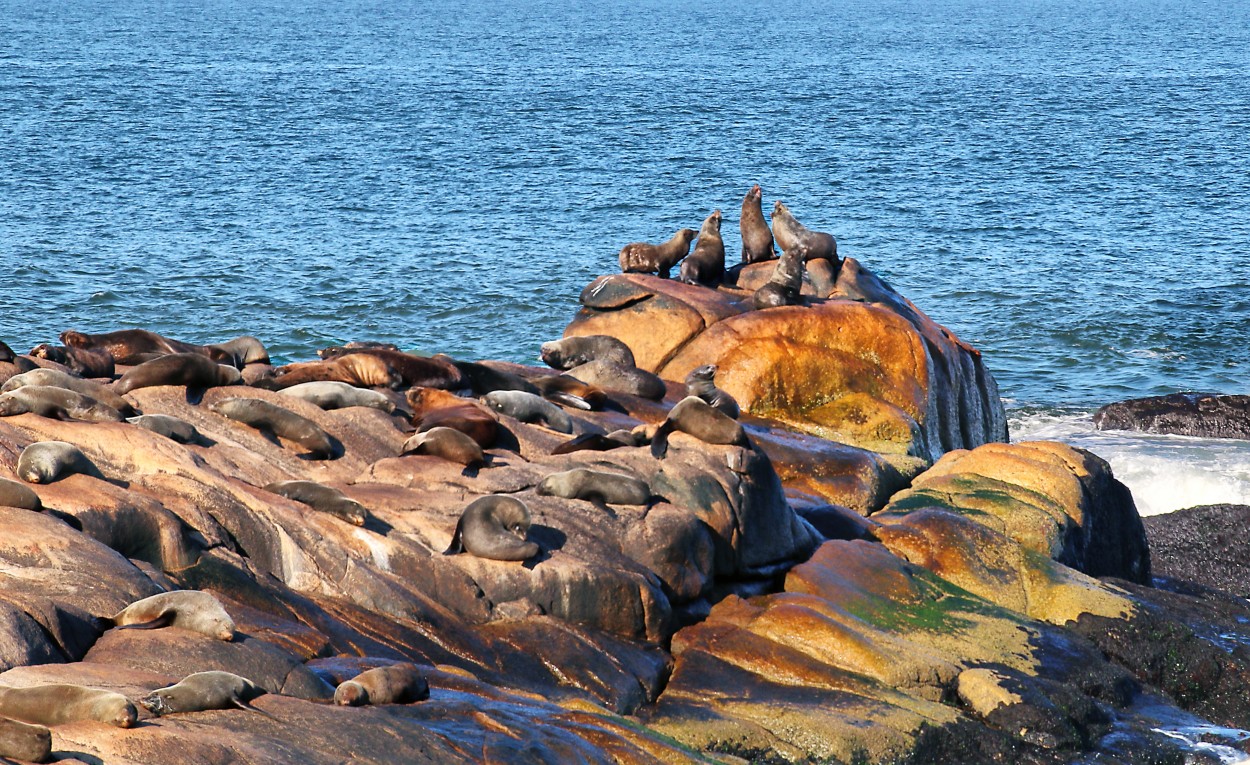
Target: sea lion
x=190 y=369
x=202 y=691
x=694 y=416
x=643 y=258
x=8 y=355
x=48 y=461
x=332 y=394
x=757 y=240
x=19 y=495
x=363 y=370
x=620 y=378
x=323 y=499
x=706 y=265
x=596 y=486
x=790 y=234
x=337 y=350
x=568 y=390
x=447 y=443
x=188 y=609
x=56 y=403
x=58 y=704
x=428 y=372
x=396 y=684
x=571 y=352
x=783 y=288
x=239 y=352
x=702 y=383
x=432 y=408
x=58 y=379
x=596 y=442
x=23 y=741
x=483 y=379
x=284 y=423
x=126 y=345
x=528 y=407
x=87 y=362
x=494 y=527
x=166 y=425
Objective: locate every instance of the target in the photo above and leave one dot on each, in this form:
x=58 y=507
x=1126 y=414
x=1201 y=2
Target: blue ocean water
x=1065 y=184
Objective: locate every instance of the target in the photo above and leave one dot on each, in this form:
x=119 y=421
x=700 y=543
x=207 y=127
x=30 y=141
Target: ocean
x=1063 y=184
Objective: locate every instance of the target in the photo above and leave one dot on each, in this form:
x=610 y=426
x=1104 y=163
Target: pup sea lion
x=431 y=372
x=48 y=461
x=323 y=499
x=126 y=345
x=706 y=265
x=23 y=741
x=483 y=379
x=570 y=391
x=58 y=704
x=694 y=416
x=783 y=288
x=188 y=609
x=790 y=234
x=190 y=369
x=447 y=443
x=757 y=240
x=57 y=379
x=702 y=383
x=239 y=352
x=643 y=258
x=332 y=394
x=56 y=403
x=284 y=423
x=363 y=370
x=166 y=425
x=202 y=691
x=84 y=361
x=620 y=378
x=527 y=407
x=396 y=684
x=494 y=527
x=19 y=495
x=596 y=486
x=571 y=352
x=433 y=408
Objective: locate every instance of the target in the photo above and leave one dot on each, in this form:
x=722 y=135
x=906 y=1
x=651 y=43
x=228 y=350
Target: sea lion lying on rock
x=193 y=370
x=170 y=427
x=427 y=372
x=20 y=363
x=396 y=684
x=57 y=379
x=332 y=394
x=19 y=495
x=363 y=370
x=574 y=351
x=644 y=258
x=448 y=443
x=284 y=423
x=48 y=461
x=694 y=416
x=59 y=704
x=528 y=407
x=188 y=609
x=706 y=265
x=87 y=362
x=433 y=408
x=323 y=499
x=23 y=741
x=130 y=346
x=239 y=352
x=702 y=383
x=597 y=487
x=202 y=691
x=570 y=391
x=597 y=442
x=622 y=379
x=494 y=527
x=56 y=403
x=483 y=379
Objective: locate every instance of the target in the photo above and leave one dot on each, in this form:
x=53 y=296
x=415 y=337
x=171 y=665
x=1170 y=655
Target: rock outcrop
x=1205 y=415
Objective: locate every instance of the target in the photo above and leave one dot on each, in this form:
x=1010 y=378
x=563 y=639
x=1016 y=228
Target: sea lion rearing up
x=571 y=352
x=702 y=383
x=58 y=379
x=193 y=370
x=786 y=283
x=284 y=423
x=434 y=408
x=757 y=240
x=694 y=416
x=396 y=684
x=56 y=403
x=202 y=691
x=527 y=407
x=58 y=704
x=323 y=499
x=790 y=234
x=706 y=265
x=48 y=461
x=644 y=258
x=188 y=609
x=596 y=486
x=494 y=527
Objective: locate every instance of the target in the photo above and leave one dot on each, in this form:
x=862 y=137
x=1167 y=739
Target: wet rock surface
x=1205 y=415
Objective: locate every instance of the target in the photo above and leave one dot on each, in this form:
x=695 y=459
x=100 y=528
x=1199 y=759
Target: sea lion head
x=705 y=373
x=351 y=694
x=11 y=405
x=75 y=339
x=124 y=715
x=49 y=352
x=755 y=193
x=780 y=209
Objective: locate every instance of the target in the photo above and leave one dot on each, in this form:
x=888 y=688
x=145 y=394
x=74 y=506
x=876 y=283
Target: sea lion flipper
x=457 y=544
x=247 y=706
x=163 y=619
x=659 y=443
x=600 y=504
x=568 y=399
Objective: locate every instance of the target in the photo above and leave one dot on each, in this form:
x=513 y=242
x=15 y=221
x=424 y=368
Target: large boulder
x=1205 y=415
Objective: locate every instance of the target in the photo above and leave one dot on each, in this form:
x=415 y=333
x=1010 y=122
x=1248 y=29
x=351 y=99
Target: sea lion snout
x=155 y=703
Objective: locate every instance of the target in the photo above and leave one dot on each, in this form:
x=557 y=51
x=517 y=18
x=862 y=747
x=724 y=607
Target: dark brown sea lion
x=784 y=287
x=643 y=258
x=170 y=427
x=56 y=403
x=332 y=394
x=528 y=407
x=433 y=408
x=570 y=391
x=284 y=423
x=23 y=741
x=427 y=372
x=324 y=499
x=126 y=344
x=58 y=704
x=360 y=369
x=239 y=352
x=570 y=352
x=790 y=234
x=706 y=265
x=87 y=362
x=337 y=350
x=757 y=240
x=193 y=370
x=396 y=684
x=702 y=383
x=694 y=416
x=483 y=379
x=14 y=494
x=58 y=379
x=186 y=609
x=494 y=527
x=596 y=442
x=616 y=377
x=202 y=691
x=447 y=443
x=596 y=486
x=48 y=461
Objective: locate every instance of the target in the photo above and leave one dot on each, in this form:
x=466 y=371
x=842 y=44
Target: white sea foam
x=1165 y=473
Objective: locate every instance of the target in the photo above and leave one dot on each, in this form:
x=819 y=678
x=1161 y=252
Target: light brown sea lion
x=188 y=609
x=193 y=370
x=757 y=240
x=239 y=352
x=427 y=372
x=643 y=258
x=56 y=403
x=790 y=234
x=706 y=265
x=432 y=408
x=616 y=377
x=23 y=741
x=166 y=425
x=48 y=461
x=784 y=287
x=202 y=691
x=324 y=499
x=360 y=369
x=570 y=391
x=447 y=443
x=701 y=382
x=332 y=394
x=570 y=352
x=58 y=379
x=284 y=423
x=58 y=704
x=396 y=684
x=126 y=344
x=494 y=527
x=337 y=350
x=596 y=486
x=14 y=494
x=528 y=407
x=87 y=362
x=694 y=416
